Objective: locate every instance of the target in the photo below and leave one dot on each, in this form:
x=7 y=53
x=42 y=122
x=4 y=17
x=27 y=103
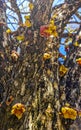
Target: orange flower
x=78 y=61
x=18 y=110
x=69 y=113
x=43 y=31
x=14 y=55
x=46 y=56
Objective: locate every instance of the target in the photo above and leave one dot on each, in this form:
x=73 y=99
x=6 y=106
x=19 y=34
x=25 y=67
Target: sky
x=57 y=2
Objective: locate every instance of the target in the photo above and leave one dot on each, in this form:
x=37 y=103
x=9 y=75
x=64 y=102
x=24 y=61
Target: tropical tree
x=39 y=85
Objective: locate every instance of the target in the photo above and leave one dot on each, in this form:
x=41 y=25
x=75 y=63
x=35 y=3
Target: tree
x=36 y=90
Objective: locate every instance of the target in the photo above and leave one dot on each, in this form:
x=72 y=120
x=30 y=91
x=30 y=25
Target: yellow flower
x=18 y=110
x=78 y=61
x=55 y=34
x=69 y=113
x=76 y=44
x=27 y=23
x=27 y=17
x=31 y=6
x=52 y=30
x=63 y=70
x=49 y=31
x=20 y=38
x=8 y=31
x=52 y=22
x=46 y=56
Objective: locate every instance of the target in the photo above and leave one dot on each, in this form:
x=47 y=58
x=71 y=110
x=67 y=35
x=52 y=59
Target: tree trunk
x=33 y=81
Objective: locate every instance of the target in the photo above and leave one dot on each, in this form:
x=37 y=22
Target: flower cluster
x=18 y=110
x=49 y=30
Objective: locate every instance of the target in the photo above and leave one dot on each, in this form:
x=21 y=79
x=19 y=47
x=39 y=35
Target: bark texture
x=35 y=82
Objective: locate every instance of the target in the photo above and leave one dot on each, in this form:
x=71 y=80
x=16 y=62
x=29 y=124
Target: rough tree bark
x=31 y=80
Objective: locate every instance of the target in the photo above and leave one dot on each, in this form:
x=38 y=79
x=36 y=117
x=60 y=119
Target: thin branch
x=17 y=10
